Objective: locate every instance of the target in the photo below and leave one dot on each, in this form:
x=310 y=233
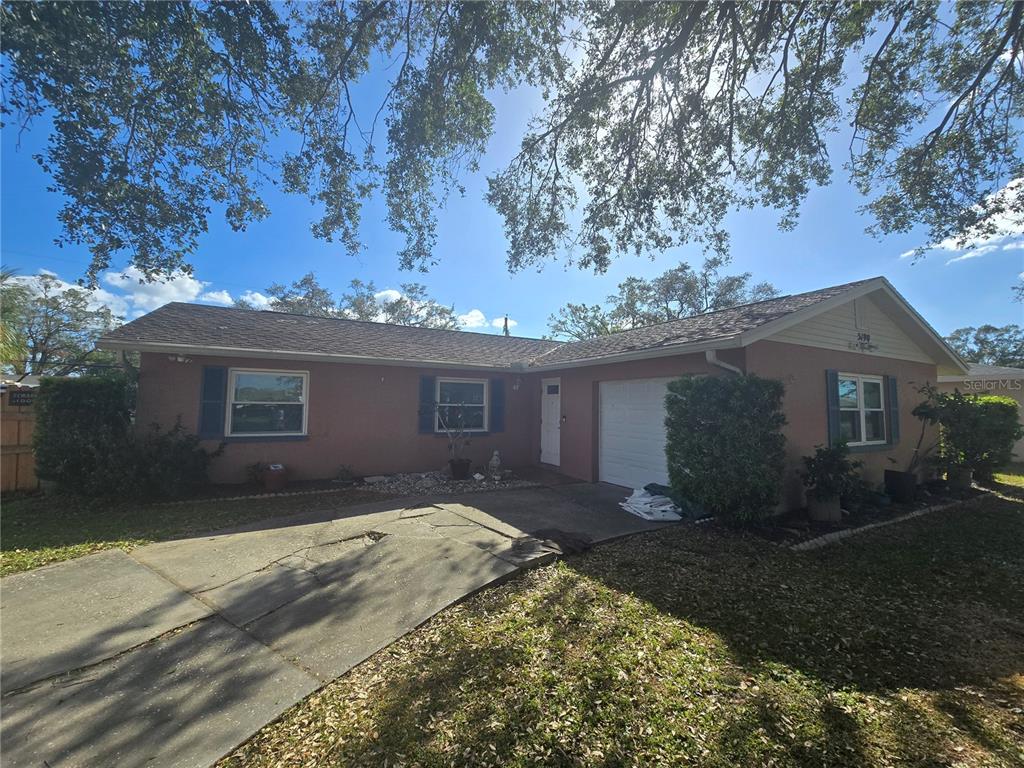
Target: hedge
x=724 y=444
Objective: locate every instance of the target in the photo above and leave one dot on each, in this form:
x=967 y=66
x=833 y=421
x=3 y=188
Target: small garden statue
x=494 y=465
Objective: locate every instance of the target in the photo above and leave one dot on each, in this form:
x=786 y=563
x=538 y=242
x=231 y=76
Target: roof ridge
x=724 y=309
x=364 y=322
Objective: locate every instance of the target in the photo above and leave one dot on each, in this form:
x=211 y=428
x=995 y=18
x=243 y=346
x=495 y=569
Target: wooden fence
x=17 y=420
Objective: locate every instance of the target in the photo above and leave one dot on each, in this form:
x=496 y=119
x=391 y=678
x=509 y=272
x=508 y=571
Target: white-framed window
x=861 y=409
x=264 y=403
x=464 y=399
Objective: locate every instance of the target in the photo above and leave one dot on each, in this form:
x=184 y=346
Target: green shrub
x=975 y=431
x=999 y=427
x=830 y=473
x=724 y=444
x=82 y=429
x=169 y=464
x=84 y=441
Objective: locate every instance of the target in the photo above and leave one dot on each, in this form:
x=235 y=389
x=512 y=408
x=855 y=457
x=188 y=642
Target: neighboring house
x=990 y=380
x=316 y=394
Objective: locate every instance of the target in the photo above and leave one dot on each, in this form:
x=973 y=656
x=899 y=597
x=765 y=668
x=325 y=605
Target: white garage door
x=631 y=441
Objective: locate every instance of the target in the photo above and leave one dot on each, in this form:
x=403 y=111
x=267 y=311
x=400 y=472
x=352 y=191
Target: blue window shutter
x=426 y=412
x=212 y=399
x=832 y=398
x=892 y=395
x=497 y=417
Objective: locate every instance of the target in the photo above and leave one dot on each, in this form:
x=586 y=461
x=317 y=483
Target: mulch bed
x=796 y=526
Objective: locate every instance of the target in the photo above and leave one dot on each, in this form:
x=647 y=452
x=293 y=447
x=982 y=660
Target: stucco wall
x=1006 y=387
x=363 y=416
x=580 y=401
x=802 y=370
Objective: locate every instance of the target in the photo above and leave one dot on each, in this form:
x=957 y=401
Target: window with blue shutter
x=892 y=390
x=832 y=398
x=212 y=401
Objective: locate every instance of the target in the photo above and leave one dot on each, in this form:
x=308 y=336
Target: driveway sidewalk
x=177 y=652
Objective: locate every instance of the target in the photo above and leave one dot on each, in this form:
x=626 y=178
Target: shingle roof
x=197 y=325
x=979 y=371
x=722 y=324
x=241 y=330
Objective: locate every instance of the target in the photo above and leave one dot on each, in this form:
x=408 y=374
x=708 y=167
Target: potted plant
x=901 y=486
x=452 y=419
x=828 y=474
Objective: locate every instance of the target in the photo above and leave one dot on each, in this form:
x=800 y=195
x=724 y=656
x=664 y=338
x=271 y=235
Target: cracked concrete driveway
x=177 y=652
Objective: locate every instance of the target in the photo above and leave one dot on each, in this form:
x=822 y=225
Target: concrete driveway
x=177 y=652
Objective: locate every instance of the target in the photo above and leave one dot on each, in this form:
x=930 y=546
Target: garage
x=631 y=436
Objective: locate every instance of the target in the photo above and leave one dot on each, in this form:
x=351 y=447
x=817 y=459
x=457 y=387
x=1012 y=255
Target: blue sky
x=828 y=246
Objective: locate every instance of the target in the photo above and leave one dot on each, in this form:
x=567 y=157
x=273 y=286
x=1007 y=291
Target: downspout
x=711 y=356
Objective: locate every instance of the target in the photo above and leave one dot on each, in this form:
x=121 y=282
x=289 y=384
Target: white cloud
x=388 y=294
x=975 y=253
x=217 y=297
x=1000 y=231
x=499 y=322
x=472 y=319
x=257 y=299
x=1005 y=225
x=143 y=296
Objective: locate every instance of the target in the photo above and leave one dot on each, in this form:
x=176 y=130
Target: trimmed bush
x=975 y=431
x=999 y=427
x=82 y=430
x=85 y=442
x=724 y=444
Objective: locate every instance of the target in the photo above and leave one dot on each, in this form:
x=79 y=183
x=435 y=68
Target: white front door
x=631 y=437
x=550 y=421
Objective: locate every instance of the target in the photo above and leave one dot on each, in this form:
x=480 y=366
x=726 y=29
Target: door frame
x=558 y=423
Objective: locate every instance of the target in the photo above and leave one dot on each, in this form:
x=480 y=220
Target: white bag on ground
x=656 y=508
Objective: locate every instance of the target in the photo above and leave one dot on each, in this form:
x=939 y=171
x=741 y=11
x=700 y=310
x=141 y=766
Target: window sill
x=483 y=433
x=871 y=447
x=264 y=438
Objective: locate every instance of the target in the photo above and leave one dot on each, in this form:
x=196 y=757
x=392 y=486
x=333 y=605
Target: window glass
x=266 y=402
x=849 y=426
x=861 y=410
x=552 y=389
x=250 y=418
x=461 y=404
x=874 y=426
x=467 y=392
x=872 y=394
x=848 y=393
x=268 y=388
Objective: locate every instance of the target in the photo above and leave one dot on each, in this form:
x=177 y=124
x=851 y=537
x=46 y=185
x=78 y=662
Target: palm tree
x=13 y=295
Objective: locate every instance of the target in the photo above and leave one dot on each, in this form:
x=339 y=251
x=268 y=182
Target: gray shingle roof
x=240 y=330
x=722 y=324
x=977 y=371
x=197 y=325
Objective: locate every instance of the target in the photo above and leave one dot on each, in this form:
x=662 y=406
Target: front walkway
x=177 y=652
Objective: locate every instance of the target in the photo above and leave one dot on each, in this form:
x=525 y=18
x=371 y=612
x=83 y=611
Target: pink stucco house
x=316 y=393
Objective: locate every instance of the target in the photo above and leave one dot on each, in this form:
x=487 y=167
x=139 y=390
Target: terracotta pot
x=824 y=510
x=901 y=486
x=959 y=478
x=460 y=468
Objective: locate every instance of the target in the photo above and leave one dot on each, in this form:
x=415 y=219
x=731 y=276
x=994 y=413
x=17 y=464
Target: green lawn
x=700 y=646
x=37 y=530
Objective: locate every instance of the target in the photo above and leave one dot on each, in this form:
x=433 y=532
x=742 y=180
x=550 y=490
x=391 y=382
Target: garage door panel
x=631 y=439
